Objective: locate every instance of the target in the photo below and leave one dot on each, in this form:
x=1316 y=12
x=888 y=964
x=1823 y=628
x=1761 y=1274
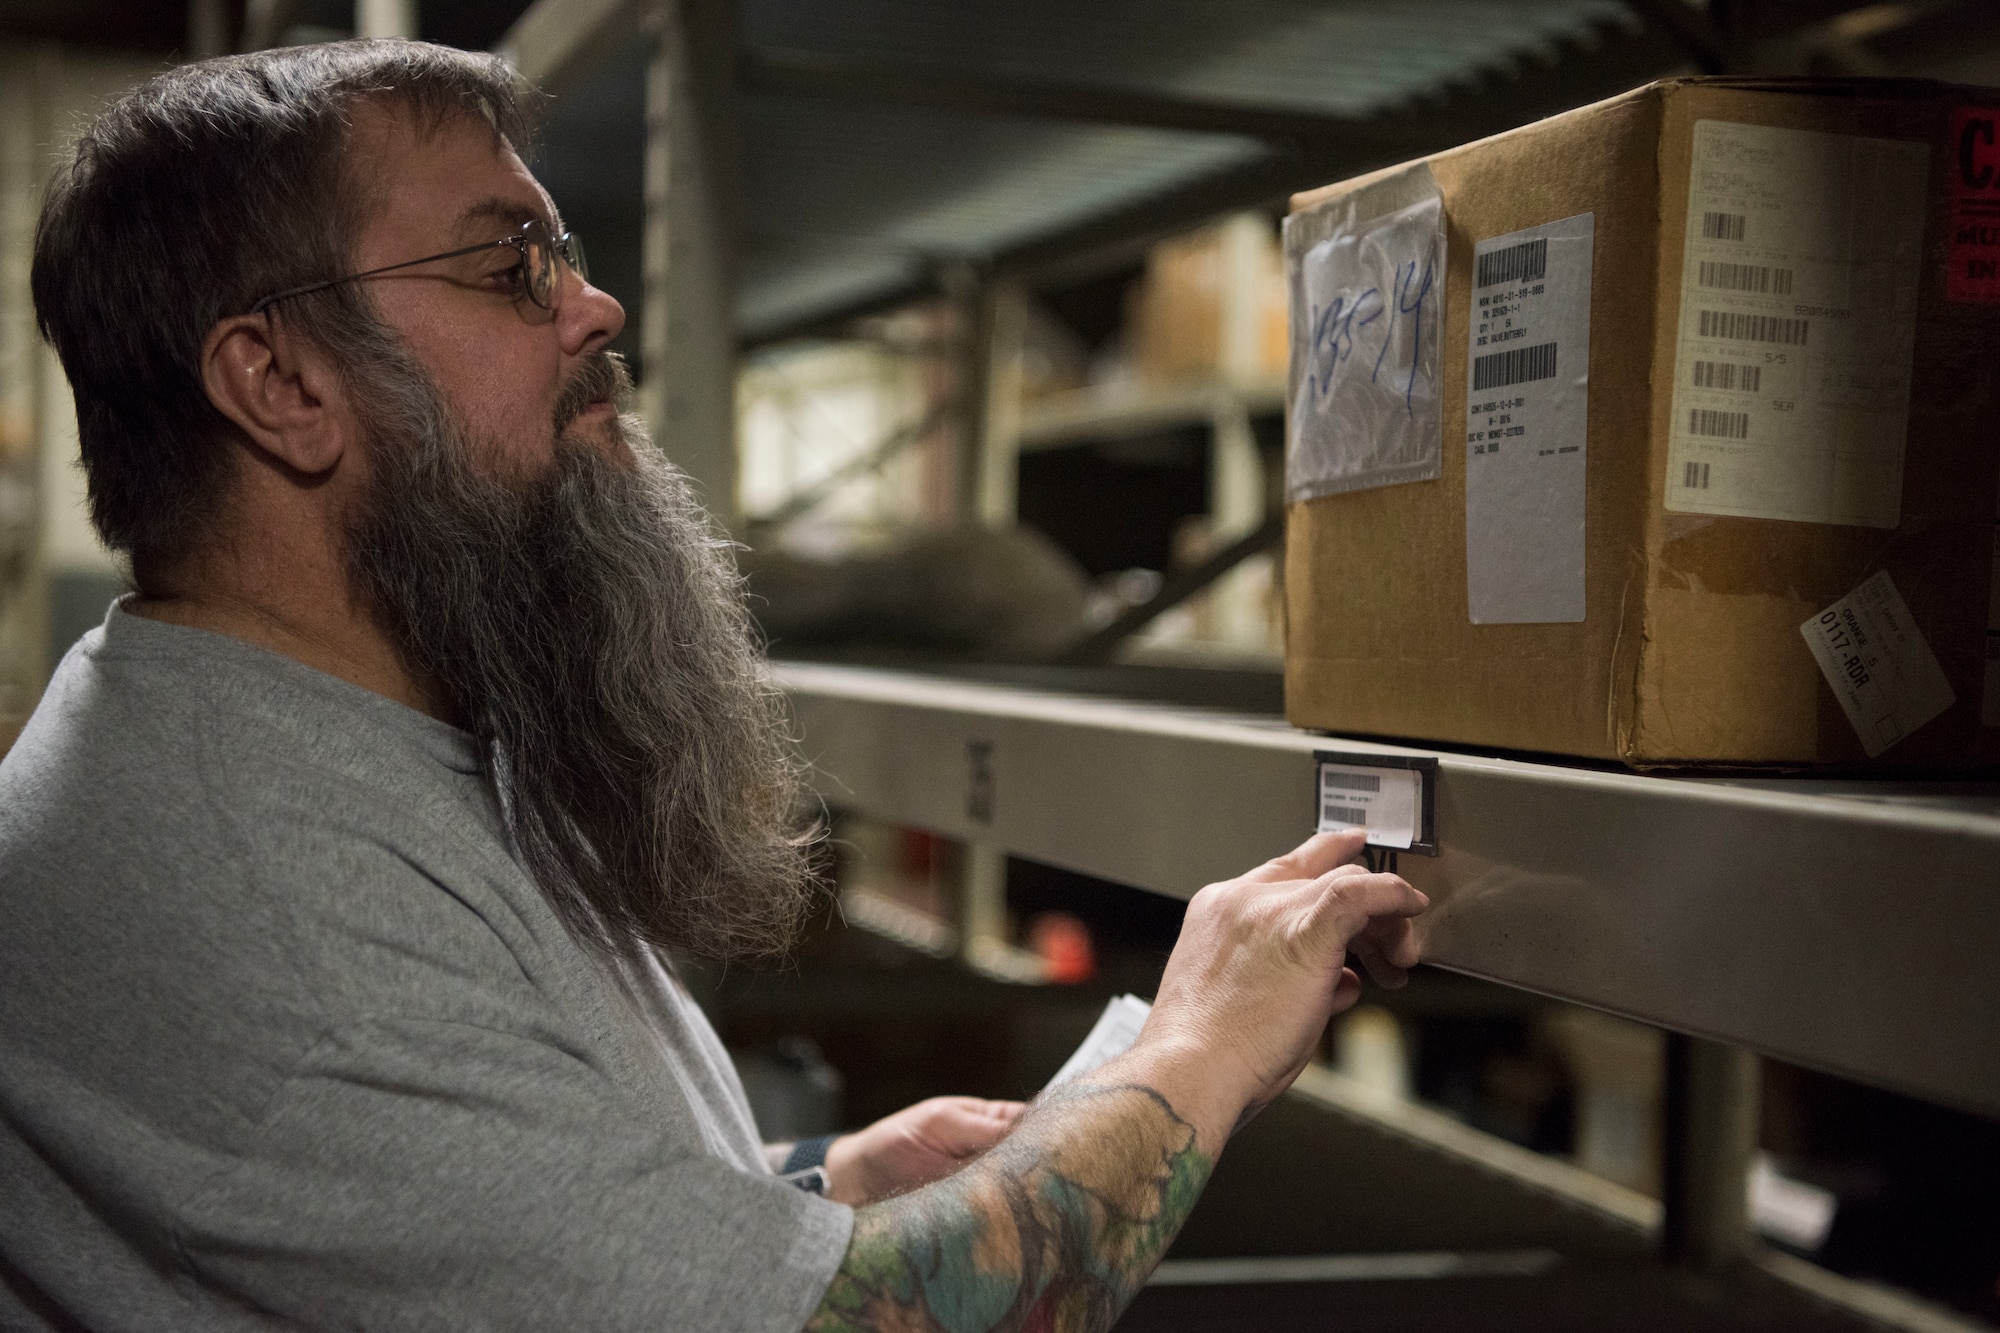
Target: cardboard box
x=1727 y=487
x=1212 y=304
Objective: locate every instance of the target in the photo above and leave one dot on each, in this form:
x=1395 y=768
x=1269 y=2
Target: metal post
x=1236 y=469
x=984 y=945
x=23 y=577
x=385 y=18
x=970 y=291
x=687 y=339
x=1709 y=1139
x=996 y=463
x=264 y=22
x=208 y=29
x=1236 y=509
x=983 y=907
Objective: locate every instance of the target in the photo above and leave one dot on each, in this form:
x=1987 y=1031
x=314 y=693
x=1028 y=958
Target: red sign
x=1975 y=206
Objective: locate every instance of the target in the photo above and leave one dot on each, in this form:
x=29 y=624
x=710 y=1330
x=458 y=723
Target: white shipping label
x=1366 y=276
x=1869 y=649
x=1797 y=325
x=1387 y=802
x=1527 y=391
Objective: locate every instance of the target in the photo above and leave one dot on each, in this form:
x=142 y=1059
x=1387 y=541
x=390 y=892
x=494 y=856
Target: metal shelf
x=1850 y=926
x=1092 y=414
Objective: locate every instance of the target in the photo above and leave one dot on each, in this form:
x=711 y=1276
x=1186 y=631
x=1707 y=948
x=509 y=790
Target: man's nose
x=588 y=317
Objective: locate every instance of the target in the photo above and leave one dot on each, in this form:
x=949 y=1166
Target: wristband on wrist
x=807 y=1153
x=805 y=1164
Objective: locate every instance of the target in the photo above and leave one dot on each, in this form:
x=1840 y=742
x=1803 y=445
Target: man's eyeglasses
x=539 y=249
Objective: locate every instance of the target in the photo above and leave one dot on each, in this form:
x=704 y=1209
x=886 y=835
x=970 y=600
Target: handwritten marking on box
x=1366 y=273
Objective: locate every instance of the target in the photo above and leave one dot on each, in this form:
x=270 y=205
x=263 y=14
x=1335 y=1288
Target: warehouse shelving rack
x=1845 y=924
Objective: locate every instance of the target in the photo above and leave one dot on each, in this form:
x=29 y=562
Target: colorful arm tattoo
x=1056 y=1228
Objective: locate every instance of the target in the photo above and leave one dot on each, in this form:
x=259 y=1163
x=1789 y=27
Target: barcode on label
x=1759 y=278
x=1694 y=477
x=1525 y=262
x=1723 y=226
x=1722 y=425
x=1752 y=328
x=1518 y=366
x=1389 y=801
x=1727 y=375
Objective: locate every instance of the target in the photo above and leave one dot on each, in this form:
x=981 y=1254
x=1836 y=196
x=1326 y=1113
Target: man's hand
x=1059 y=1225
x=1260 y=967
x=915 y=1146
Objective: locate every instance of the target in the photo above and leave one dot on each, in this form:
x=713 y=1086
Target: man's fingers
x=1395 y=939
x=979 y=1106
x=1314 y=857
x=967 y=1126
x=1382 y=969
x=1347 y=903
x=1346 y=991
x=1004 y=1113
x=1368 y=915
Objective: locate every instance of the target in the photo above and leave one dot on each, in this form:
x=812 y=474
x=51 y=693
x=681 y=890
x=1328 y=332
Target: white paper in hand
x=1117 y=1028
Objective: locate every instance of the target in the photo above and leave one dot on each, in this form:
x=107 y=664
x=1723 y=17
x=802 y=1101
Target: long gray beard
x=590 y=627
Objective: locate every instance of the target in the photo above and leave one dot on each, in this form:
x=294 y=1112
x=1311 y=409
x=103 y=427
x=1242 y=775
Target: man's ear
x=279 y=388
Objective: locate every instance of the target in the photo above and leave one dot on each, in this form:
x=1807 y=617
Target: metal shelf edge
x=1854 y=935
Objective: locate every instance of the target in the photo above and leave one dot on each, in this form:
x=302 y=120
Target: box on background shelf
x=1212 y=305
x=1666 y=430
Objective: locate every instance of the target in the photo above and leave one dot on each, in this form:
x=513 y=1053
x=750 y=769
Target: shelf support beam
x=556 y=42
x=688 y=388
x=1709 y=1138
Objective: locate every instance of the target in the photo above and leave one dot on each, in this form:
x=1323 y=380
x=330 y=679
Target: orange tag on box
x=1975 y=206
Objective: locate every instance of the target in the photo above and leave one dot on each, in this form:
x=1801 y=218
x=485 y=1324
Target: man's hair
x=188 y=200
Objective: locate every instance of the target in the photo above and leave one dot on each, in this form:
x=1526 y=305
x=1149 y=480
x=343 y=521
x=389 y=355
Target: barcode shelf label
x=1728 y=375
x=1694 y=477
x=1526 y=262
x=1739 y=327
x=1719 y=425
x=1759 y=278
x=1392 y=797
x=1723 y=226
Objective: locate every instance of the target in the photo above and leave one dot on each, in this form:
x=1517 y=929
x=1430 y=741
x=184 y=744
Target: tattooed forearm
x=1057 y=1228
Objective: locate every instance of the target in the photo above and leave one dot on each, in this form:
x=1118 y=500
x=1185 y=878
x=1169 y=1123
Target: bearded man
x=339 y=864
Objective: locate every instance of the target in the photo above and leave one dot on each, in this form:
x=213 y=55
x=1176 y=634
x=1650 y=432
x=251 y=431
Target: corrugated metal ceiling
x=841 y=195
x=847 y=199
x=1347 y=57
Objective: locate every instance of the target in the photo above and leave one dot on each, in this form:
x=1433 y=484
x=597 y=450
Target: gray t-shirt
x=287 y=1036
